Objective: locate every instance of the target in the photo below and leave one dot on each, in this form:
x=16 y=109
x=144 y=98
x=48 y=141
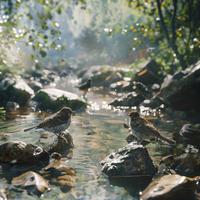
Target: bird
x=56 y=123
x=85 y=86
x=145 y=130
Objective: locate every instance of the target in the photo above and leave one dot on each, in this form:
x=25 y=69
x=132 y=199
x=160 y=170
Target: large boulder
x=55 y=99
x=133 y=159
x=181 y=91
x=15 y=89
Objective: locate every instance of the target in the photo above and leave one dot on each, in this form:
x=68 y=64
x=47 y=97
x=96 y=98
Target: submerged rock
x=170 y=187
x=32 y=182
x=55 y=99
x=133 y=159
x=14 y=89
x=59 y=173
x=20 y=152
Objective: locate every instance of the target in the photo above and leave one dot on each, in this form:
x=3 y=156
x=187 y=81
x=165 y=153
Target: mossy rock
x=54 y=99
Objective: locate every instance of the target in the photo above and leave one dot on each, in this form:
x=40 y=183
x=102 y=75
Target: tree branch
x=173 y=22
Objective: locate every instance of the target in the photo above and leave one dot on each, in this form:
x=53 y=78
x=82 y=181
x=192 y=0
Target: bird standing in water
x=145 y=130
x=56 y=123
x=85 y=87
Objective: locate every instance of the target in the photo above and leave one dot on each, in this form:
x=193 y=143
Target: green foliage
x=169 y=29
x=29 y=23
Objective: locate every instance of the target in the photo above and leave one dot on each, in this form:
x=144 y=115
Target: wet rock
x=35 y=85
x=15 y=89
x=150 y=74
x=4 y=194
x=55 y=99
x=181 y=91
x=187 y=164
x=32 y=182
x=170 y=187
x=102 y=76
x=139 y=94
x=129 y=100
x=154 y=102
x=59 y=173
x=189 y=134
x=132 y=159
x=62 y=144
x=20 y=152
x=11 y=106
x=122 y=86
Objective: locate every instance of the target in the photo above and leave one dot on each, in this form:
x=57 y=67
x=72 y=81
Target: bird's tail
x=28 y=129
x=167 y=140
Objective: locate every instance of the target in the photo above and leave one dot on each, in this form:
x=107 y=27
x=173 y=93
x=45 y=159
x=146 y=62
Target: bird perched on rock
x=85 y=86
x=145 y=130
x=56 y=123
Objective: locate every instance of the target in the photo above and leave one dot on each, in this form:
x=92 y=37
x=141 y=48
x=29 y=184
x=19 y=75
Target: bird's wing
x=51 y=121
x=152 y=129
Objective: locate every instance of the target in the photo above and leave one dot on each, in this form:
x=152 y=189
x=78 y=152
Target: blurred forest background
x=78 y=33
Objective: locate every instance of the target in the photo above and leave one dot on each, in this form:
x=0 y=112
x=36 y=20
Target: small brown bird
x=145 y=130
x=56 y=123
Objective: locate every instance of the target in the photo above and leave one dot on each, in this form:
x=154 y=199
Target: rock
x=11 y=106
x=55 y=99
x=154 y=102
x=187 y=164
x=181 y=91
x=103 y=76
x=122 y=86
x=170 y=187
x=190 y=134
x=3 y=194
x=59 y=173
x=20 y=152
x=62 y=144
x=133 y=159
x=16 y=90
x=35 y=85
x=32 y=182
x=150 y=74
x=129 y=100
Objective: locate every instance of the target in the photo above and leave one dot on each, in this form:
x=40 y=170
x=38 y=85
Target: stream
x=96 y=133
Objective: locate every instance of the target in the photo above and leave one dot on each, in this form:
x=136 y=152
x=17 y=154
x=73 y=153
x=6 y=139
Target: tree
x=173 y=27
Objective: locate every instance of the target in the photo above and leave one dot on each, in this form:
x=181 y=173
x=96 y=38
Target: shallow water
x=96 y=133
